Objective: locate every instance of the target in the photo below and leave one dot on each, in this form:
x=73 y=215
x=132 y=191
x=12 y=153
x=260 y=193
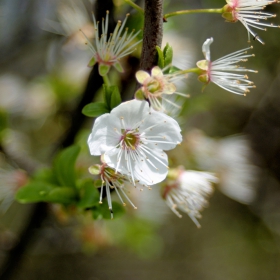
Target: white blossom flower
x=107 y=52
x=110 y=179
x=249 y=13
x=231 y=159
x=157 y=86
x=188 y=191
x=220 y=70
x=132 y=138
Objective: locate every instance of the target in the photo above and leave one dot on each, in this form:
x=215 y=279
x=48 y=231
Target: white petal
x=167 y=129
x=132 y=113
x=141 y=76
x=150 y=171
x=206 y=48
x=103 y=135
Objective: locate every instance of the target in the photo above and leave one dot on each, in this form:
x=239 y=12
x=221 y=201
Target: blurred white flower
x=10 y=181
x=220 y=71
x=230 y=159
x=249 y=13
x=188 y=191
x=132 y=138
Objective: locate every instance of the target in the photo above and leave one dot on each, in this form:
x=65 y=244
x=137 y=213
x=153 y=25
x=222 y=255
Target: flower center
x=154 y=86
x=130 y=139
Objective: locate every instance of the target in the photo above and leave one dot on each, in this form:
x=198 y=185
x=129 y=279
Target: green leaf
x=89 y=195
x=115 y=97
x=64 y=166
x=160 y=57
x=102 y=211
x=95 y=109
x=168 y=55
x=44 y=192
x=45 y=175
x=62 y=195
x=34 y=192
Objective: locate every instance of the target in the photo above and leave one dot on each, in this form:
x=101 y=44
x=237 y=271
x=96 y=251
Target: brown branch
x=152 y=35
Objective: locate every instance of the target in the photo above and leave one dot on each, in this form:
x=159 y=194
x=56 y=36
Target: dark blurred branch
x=152 y=35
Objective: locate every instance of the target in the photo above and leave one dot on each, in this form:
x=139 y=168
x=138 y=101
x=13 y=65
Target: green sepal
x=160 y=61
x=89 y=195
x=203 y=64
x=118 y=67
x=44 y=192
x=64 y=166
x=173 y=69
x=92 y=62
x=115 y=97
x=101 y=211
x=139 y=94
x=103 y=69
x=168 y=55
x=204 y=78
x=95 y=109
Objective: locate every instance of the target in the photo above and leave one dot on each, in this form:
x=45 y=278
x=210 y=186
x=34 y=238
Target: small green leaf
x=34 y=192
x=62 y=195
x=160 y=57
x=64 y=166
x=95 y=109
x=89 y=195
x=102 y=211
x=168 y=55
x=115 y=97
x=45 y=175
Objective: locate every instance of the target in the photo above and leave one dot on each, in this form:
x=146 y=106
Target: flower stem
x=191 y=70
x=197 y=11
x=135 y=6
x=106 y=80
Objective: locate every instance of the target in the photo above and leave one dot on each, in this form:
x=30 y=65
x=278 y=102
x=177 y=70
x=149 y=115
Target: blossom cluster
x=132 y=138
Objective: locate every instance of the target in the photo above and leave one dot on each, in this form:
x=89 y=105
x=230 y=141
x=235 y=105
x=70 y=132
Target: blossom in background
x=132 y=138
x=220 y=70
x=110 y=179
x=249 y=13
x=230 y=159
x=188 y=191
x=109 y=49
x=156 y=88
x=10 y=182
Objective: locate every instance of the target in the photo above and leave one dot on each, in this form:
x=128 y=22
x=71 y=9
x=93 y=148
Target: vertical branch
x=152 y=36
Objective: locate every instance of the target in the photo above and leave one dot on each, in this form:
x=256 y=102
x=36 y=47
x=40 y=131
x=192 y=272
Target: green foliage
x=112 y=99
x=64 y=166
x=89 y=195
x=95 y=109
x=165 y=57
x=37 y=191
x=101 y=211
